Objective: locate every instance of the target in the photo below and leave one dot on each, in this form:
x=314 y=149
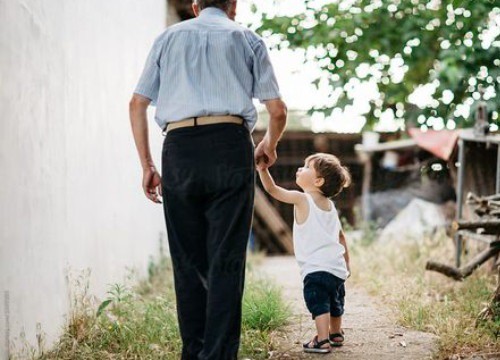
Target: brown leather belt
x=203 y=120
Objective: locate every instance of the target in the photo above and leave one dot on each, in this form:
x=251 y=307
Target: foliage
x=140 y=322
x=263 y=307
x=399 y=46
x=428 y=301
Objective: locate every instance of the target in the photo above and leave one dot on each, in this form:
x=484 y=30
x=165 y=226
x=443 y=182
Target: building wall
x=70 y=178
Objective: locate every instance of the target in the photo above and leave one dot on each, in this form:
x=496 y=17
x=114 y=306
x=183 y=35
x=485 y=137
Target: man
x=202 y=75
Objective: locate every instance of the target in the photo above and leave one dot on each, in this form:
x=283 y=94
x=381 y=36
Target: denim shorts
x=324 y=293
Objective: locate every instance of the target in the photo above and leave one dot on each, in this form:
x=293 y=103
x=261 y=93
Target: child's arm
x=346 y=254
x=277 y=192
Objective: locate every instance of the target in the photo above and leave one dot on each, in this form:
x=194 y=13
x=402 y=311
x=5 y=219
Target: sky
x=294 y=78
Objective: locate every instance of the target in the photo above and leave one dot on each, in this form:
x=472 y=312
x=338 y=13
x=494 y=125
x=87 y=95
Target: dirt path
x=370 y=331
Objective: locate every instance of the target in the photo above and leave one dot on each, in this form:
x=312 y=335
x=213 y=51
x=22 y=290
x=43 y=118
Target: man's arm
x=265 y=153
x=277 y=192
x=151 y=181
x=346 y=254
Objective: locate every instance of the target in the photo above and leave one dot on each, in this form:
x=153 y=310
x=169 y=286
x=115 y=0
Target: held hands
x=151 y=184
x=265 y=155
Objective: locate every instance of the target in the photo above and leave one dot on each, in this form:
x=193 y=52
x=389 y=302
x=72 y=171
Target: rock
x=418 y=219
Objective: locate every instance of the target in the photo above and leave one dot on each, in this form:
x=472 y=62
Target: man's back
x=210 y=66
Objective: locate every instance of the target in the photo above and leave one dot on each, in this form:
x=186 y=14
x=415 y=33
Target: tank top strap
x=310 y=200
x=332 y=204
x=315 y=208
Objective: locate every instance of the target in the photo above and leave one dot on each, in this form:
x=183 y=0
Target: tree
x=401 y=47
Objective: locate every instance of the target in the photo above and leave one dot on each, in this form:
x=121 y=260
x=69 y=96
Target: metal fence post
x=460 y=196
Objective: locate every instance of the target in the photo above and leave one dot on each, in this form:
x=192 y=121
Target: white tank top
x=316 y=242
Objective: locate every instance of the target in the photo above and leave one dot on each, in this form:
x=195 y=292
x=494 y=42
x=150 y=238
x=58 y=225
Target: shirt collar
x=212 y=12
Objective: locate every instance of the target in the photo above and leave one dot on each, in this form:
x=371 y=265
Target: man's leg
x=229 y=210
x=186 y=226
x=227 y=247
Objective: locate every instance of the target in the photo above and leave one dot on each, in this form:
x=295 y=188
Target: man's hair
x=221 y=4
x=329 y=168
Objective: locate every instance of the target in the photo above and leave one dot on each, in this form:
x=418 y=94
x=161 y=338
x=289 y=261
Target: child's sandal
x=315 y=346
x=334 y=339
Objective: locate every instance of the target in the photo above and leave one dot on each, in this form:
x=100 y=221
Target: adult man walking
x=202 y=75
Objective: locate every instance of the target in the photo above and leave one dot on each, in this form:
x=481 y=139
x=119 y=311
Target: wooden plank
x=265 y=238
x=477 y=237
x=391 y=145
x=463 y=272
x=489 y=226
x=273 y=221
x=468 y=135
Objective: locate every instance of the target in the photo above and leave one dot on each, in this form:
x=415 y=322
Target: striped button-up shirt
x=207 y=66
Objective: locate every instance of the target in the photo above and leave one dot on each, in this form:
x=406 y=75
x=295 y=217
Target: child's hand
x=258 y=166
x=265 y=154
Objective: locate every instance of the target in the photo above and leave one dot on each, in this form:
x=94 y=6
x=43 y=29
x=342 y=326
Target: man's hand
x=265 y=154
x=151 y=184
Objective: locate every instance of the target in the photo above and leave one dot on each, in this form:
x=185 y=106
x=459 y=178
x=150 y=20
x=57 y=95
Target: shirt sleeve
x=265 y=86
x=149 y=82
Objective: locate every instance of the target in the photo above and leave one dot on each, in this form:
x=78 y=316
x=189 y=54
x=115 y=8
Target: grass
x=264 y=312
x=139 y=321
x=428 y=301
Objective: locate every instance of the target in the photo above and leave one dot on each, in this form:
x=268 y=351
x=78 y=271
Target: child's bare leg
x=335 y=324
x=322 y=326
x=336 y=330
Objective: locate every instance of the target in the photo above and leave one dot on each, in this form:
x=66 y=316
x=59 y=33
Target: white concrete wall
x=70 y=195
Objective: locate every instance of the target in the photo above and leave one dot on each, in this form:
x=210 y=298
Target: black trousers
x=208 y=180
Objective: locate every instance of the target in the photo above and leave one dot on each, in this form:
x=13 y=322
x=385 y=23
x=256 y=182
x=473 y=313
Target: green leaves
x=103 y=306
x=444 y=42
